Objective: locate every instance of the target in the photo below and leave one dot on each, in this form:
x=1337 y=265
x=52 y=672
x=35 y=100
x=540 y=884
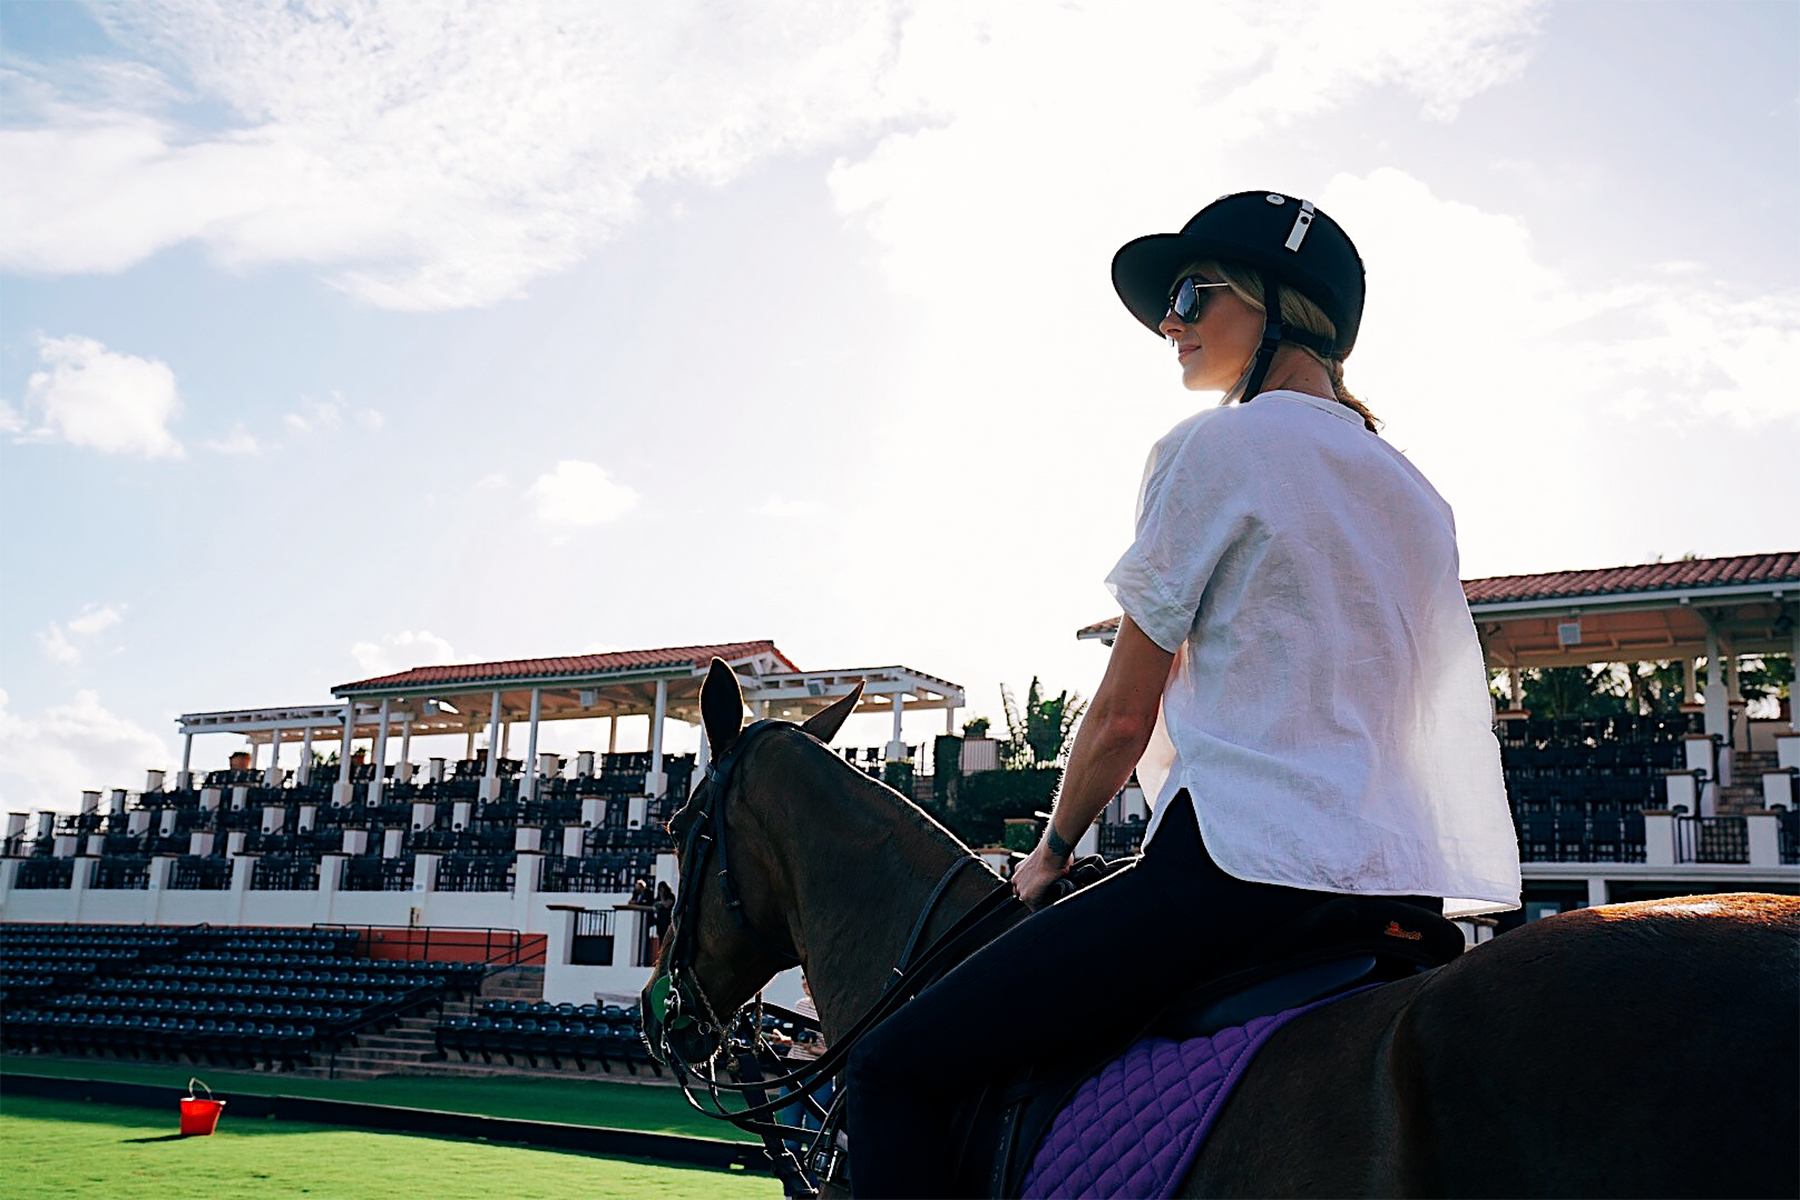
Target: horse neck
x=856 y=863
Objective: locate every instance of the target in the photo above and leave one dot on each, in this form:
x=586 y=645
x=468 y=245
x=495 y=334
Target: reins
x=677 y=999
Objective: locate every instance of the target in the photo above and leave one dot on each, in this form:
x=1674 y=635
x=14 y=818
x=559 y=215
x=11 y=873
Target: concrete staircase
x=1745 y=790
x=410 y=1044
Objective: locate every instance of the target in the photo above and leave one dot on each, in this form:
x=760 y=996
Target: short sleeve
x=1191 y=510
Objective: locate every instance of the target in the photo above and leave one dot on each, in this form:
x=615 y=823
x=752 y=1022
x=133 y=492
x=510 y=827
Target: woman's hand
x=1035 y=879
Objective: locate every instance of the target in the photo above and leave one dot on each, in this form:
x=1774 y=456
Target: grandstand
x=1640 y=805
x=480 y=913
x=373 y=914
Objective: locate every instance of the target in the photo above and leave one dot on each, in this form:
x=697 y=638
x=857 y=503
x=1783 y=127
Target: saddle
x=1343 y=944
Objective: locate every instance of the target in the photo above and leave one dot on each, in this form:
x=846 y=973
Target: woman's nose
x=1171 y=325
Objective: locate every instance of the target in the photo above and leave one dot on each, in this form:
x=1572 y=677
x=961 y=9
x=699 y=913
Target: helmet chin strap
x=1271 y=338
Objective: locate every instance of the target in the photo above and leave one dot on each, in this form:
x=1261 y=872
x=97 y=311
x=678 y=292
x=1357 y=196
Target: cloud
x=331 y=416
x=1678 y=349
x=401 y=652
x=420 y=158
x=238 y=441
x=90 y=396
x=579 y=494
x=47 y=760
x=66 y=643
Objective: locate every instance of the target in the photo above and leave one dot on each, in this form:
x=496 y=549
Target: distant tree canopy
x=1607 y=689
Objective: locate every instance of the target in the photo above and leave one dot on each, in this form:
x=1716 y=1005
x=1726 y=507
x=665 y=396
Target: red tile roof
x=616 y=662
x=1681 y=575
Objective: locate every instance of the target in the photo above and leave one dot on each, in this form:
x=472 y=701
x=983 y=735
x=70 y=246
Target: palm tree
x=1041 y=734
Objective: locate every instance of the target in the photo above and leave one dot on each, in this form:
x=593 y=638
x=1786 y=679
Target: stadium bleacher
x=537 y=1033
x=272 y=998
x=1579 y=786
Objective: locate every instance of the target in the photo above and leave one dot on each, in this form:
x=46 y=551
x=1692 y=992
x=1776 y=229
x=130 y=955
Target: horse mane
x=868 y=793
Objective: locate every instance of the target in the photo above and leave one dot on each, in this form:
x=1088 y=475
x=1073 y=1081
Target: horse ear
x=825 y=723
x=721 y=707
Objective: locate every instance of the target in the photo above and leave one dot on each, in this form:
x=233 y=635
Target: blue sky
x=340 y=338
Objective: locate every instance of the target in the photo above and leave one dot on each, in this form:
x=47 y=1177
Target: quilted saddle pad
x=1133 y=1128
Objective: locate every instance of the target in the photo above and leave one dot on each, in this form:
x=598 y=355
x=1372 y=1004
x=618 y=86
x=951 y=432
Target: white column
x=304 y=773
x=612 y=734
x=950 y=719
x=896 y=749
x=381 y=727
x=342 y=792
x=656 y=784
x=255 y=752
x=703 y=759
x=529 y=791
x=1515 y=689
x=1763 y=831
x=405 y=773
x=185 y=780
x=272 y=777
x=469 y=744
x=1690 y=682
x=490 y=780
x=506 y=739
x=1716 y=705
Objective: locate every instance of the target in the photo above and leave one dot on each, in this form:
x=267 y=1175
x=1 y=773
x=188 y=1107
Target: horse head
x=722 y=949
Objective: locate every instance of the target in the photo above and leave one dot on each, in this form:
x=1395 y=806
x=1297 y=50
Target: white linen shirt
x=1328 y=708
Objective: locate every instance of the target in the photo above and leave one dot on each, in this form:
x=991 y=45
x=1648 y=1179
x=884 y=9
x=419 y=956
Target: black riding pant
x=1070 y=978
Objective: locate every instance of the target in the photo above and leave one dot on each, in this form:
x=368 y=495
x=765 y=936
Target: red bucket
x=199 y=1117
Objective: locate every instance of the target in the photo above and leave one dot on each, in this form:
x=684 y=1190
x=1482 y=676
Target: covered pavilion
x=660 y=684
x=1718 y=609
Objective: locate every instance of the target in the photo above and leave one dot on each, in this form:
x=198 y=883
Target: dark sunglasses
x=1184 y=300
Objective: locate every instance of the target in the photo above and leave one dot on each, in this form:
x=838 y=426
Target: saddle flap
x=1289 y=989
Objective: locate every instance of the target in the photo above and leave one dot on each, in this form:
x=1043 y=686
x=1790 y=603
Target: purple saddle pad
x=1133 y=1128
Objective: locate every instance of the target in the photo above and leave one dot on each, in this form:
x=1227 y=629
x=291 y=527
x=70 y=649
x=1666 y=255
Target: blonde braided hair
x=1296 y=310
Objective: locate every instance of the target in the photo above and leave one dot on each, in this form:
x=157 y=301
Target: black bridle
x=683 y=1003
x=678 y=1002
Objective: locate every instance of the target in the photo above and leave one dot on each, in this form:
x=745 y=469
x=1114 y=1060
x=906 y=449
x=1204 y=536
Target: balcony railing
x=45 y=873
x=455 y=874
x=1711 y=840
x=368 y=874
x=120 y=874
x=192 y=873
x=285 y=875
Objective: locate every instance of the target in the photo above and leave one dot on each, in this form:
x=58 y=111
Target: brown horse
x=1648 y=1049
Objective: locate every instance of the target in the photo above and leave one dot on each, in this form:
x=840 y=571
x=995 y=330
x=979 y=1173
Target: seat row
x=341 y=1014
x=548 y=1008
x=553 y=1040
x=277 y=1045
x=154 y=980
x=41 y=945
x=356 y=998
x=1577 y=834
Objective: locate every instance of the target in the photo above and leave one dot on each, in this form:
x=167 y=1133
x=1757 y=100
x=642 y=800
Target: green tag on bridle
x=665 y=1002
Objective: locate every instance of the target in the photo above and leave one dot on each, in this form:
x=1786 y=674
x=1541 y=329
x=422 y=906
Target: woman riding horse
x=1296 y=679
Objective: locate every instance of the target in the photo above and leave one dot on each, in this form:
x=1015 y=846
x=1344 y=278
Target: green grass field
x=62 y=1150
x=646 y=1107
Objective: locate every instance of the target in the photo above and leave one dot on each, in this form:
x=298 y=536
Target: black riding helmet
x=1286 y=240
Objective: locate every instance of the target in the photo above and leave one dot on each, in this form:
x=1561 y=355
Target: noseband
x=676 y=998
